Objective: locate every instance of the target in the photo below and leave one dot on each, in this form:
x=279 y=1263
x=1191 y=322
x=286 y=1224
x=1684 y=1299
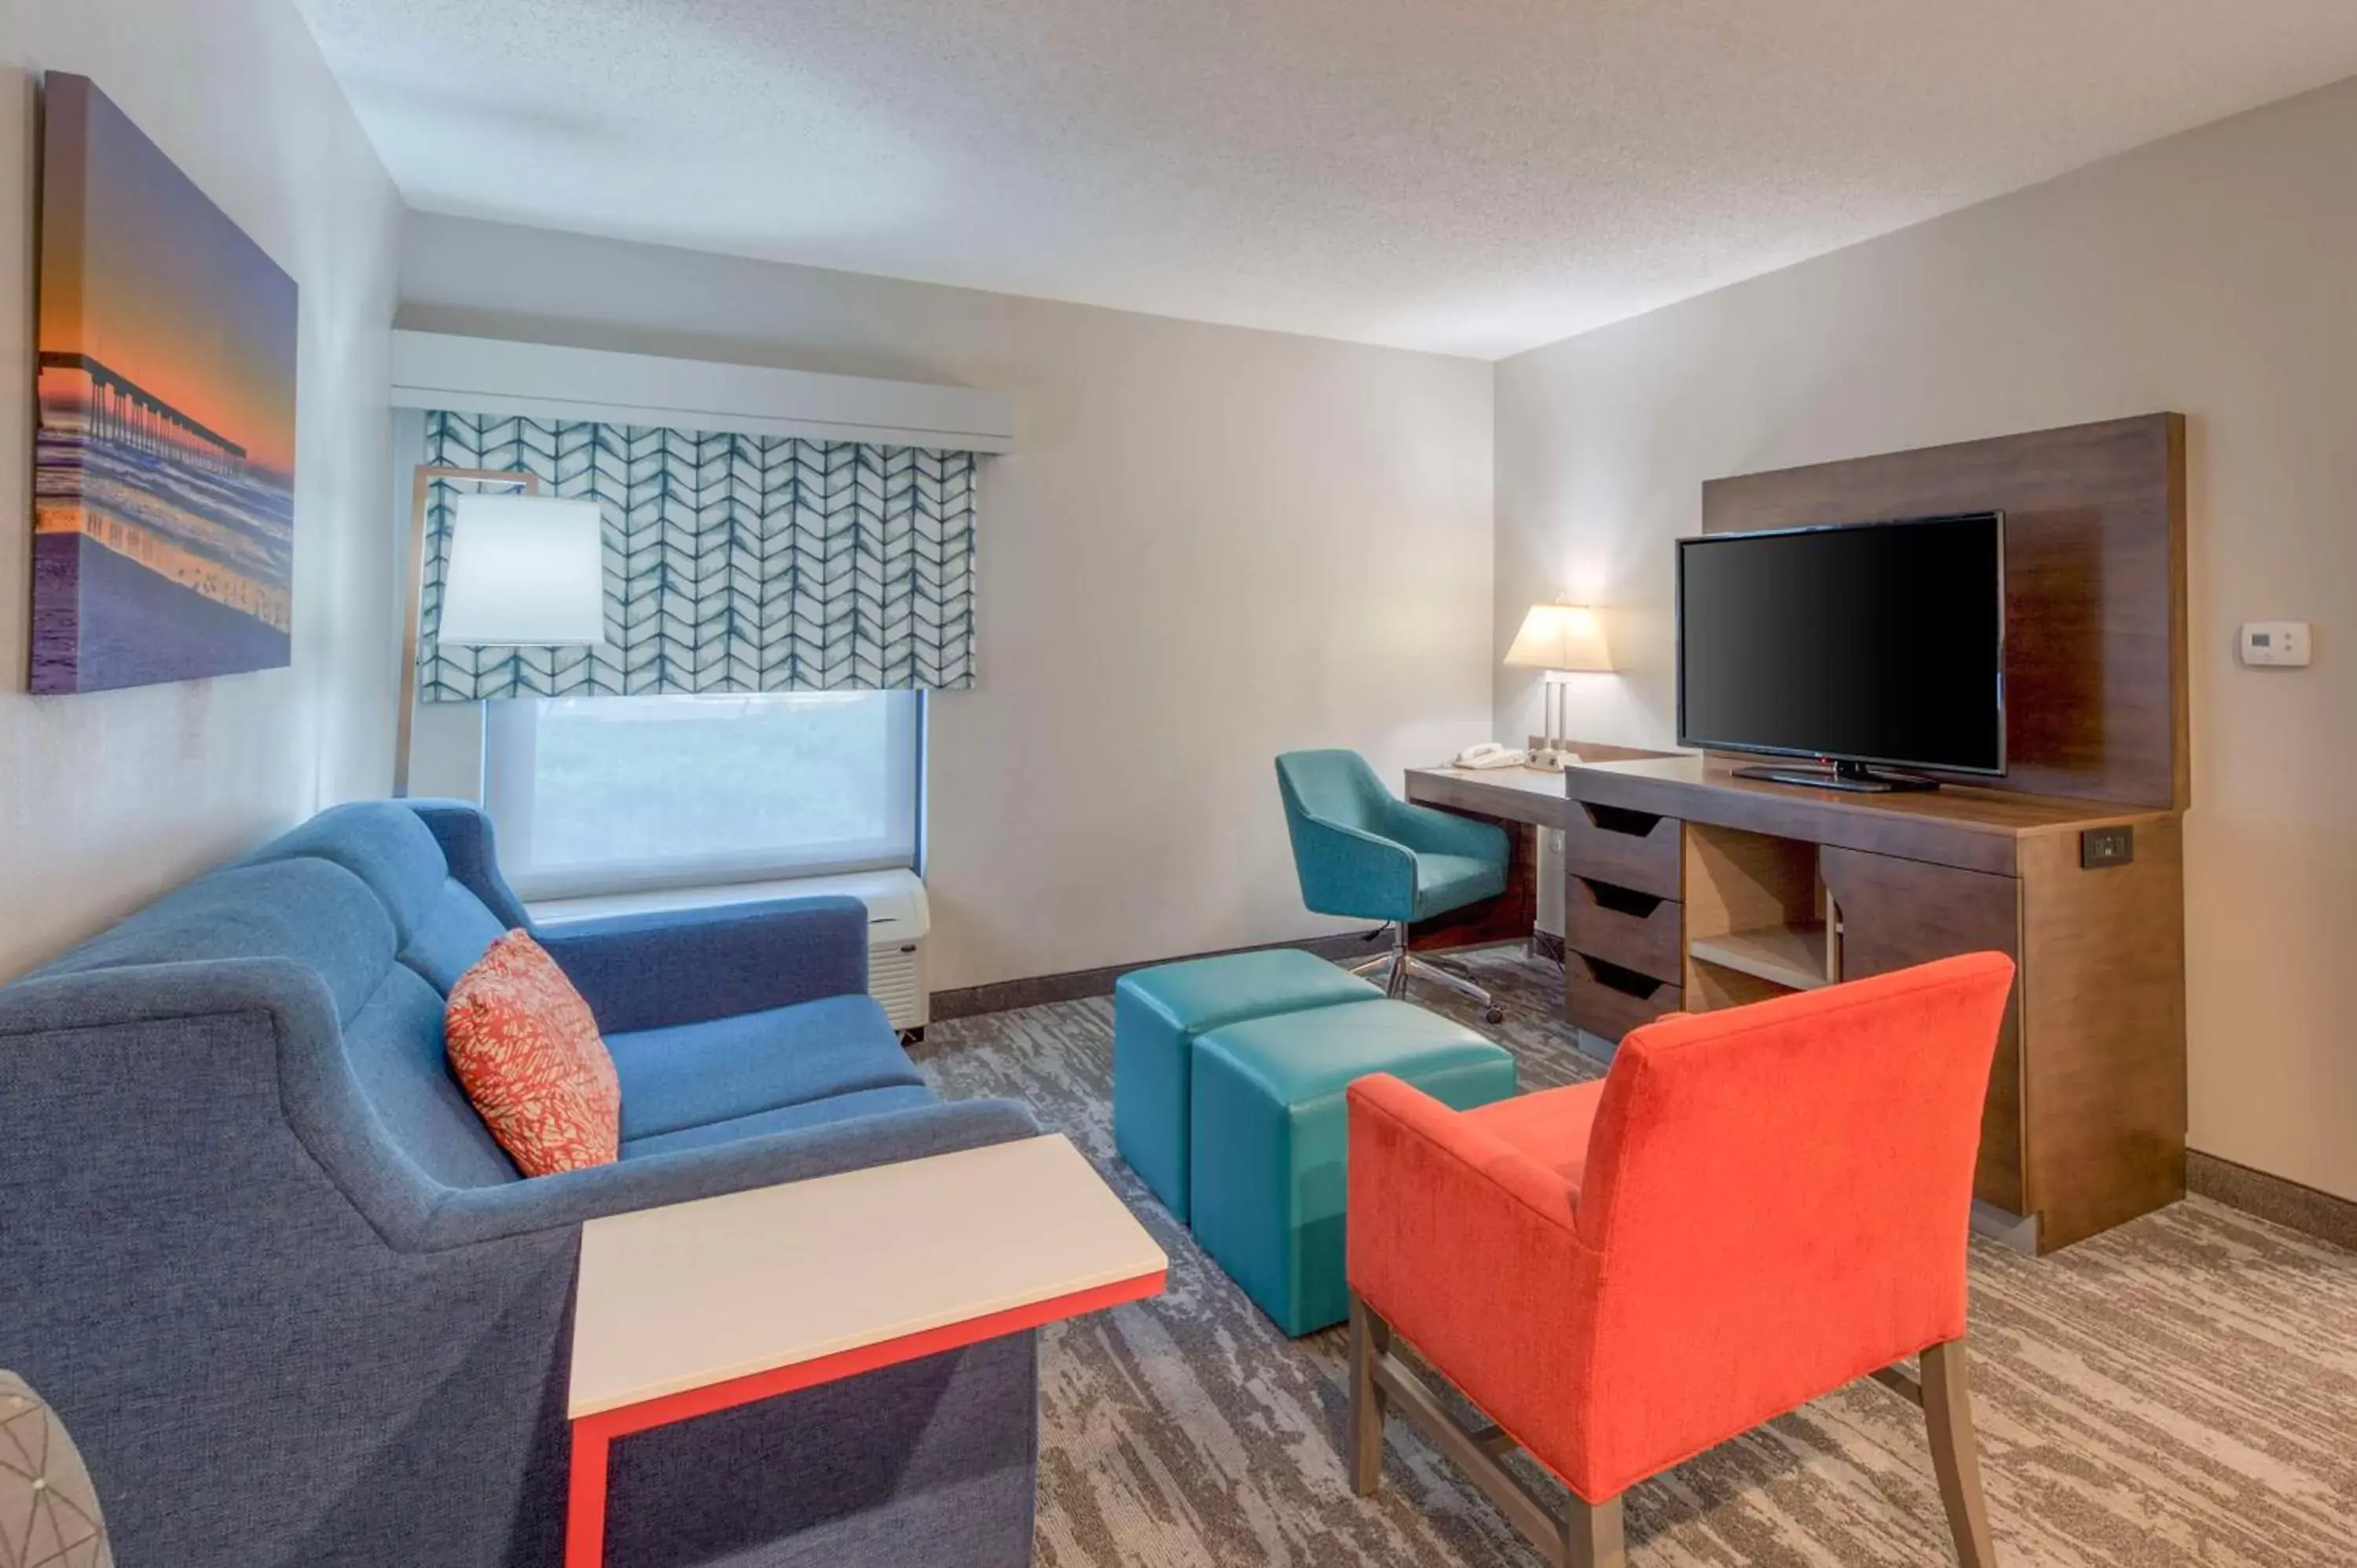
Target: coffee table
x=701 y=1306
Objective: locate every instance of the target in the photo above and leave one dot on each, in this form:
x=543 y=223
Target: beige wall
x=107 y=800
x=1211 y=545
x=2213 y=273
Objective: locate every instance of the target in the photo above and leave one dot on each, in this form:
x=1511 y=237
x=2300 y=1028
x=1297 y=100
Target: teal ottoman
x=1156 y=1015
x=1268 y=1130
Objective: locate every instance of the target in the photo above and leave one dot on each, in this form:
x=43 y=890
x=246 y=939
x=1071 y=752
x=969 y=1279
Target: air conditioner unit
x=898 y=921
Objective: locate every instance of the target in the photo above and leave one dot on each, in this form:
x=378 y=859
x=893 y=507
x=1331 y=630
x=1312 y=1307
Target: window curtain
x=733 y=563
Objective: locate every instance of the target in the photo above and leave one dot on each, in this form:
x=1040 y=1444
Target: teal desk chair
x=1366 y=857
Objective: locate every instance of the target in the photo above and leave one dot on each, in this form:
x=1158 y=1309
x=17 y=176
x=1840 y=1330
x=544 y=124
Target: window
x=612 y=794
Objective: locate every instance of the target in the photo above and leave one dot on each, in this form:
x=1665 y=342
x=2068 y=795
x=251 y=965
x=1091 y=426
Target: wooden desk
x=700 y=1306
x=1522 y=800
x=1531 y=796
x=1689 y=888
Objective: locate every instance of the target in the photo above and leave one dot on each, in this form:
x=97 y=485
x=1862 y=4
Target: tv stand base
x=1850 y=775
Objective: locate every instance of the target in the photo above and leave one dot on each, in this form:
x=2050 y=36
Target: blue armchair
x=300 y=1309
x=1362 y=853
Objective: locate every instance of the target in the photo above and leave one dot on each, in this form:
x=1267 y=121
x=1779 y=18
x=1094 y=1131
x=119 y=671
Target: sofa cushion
x=440 y=926
x=783 y=1118
x=526 y=1050
x=319 y=915
x=452 y=936
x=695 y=1074
x=379 y=842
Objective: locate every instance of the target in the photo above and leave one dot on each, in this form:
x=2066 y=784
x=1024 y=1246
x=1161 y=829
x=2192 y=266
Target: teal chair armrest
x=1346 y=872
x=1427 y=832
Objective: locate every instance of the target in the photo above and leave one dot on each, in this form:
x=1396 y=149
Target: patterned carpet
x=2182 y=1389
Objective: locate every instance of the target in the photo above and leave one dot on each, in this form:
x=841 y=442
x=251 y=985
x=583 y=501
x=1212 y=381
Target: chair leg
x=1948 y=1413
x=1423 y=968
x=1371 y=1337
x=1388 y=960
x=1592 y=1536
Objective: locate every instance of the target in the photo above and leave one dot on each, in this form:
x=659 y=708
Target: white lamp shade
x=526 y=570
x=1560 y=637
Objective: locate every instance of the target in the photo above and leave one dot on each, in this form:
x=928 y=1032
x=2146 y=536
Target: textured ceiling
x=1477 y=177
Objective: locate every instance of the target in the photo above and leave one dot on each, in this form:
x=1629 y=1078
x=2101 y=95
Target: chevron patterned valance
x=733 y=563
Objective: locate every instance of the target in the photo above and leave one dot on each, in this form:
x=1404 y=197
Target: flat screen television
x=1863 y=645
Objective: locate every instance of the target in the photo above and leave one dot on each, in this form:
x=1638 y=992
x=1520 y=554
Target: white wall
x=108 y=798
x=1211 y=545
x=2213 y=273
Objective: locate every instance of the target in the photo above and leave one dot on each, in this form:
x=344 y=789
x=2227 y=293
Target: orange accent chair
x=1752 y=1208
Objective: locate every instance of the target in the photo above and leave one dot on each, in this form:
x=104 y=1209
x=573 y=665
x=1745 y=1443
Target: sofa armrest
x=471 y=1216
x=685 y=966
x=464 y=830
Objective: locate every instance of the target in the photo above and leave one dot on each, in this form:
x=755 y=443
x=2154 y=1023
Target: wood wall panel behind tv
x=2095 y=648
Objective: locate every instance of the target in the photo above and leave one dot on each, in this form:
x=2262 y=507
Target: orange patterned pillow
x=528 y=1053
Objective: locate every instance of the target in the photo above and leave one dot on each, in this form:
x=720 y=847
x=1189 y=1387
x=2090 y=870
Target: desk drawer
x=1627 y=849
x=1636 y=930
x=1605 y=999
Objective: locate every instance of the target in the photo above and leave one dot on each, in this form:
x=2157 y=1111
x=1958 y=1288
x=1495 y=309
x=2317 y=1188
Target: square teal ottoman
x=1157 y=1015
x=1267 y=1134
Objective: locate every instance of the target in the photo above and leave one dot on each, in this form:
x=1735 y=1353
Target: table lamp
x=1558 y=639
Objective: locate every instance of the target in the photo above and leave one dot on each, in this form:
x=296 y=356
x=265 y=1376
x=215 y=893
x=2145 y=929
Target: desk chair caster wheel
x=1494 y=1015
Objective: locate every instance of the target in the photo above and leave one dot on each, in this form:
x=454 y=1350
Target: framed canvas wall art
x=164 y=479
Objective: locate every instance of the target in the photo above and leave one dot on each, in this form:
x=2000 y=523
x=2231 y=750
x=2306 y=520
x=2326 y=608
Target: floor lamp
x=421 y=501
x=525 y=571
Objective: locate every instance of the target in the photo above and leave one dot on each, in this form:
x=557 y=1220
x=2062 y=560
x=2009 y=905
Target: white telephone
x=1489 y=754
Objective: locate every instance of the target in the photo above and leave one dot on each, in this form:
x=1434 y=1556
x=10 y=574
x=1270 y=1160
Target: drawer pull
x=1627 y=982
x=1621 y=819
x=1622 y=900
x=1635 y=850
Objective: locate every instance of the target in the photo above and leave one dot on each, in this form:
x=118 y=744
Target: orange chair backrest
x=1780 y=1198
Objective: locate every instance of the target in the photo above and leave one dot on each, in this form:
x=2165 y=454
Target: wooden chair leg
x=1948 y=1411
x=1371 y=1337
x=1591 y=1534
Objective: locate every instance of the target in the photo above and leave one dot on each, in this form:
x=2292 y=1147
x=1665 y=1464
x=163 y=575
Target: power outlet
x=2100 y=847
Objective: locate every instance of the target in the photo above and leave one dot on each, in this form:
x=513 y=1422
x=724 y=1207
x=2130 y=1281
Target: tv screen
x=1879 y=642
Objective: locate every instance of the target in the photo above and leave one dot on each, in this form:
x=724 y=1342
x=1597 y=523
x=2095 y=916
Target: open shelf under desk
x=1789 y=956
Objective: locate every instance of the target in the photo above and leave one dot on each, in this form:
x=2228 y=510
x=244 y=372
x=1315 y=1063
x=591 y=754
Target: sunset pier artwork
x=164 y=495
x=110 y=407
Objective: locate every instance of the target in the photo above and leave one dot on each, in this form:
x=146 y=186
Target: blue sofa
x=300 y=1310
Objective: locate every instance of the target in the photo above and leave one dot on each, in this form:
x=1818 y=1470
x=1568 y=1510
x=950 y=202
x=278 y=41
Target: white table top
x=696 y=1294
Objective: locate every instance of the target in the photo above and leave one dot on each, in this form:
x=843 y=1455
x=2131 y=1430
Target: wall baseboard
x=2271 y=1197
x=1003 y=995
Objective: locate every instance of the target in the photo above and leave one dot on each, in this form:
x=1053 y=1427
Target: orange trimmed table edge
x=594 y=1435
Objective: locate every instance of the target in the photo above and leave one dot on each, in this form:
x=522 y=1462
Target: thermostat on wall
x=2274 y=642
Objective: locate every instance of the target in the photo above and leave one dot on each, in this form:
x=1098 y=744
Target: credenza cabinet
x=1688 y=888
